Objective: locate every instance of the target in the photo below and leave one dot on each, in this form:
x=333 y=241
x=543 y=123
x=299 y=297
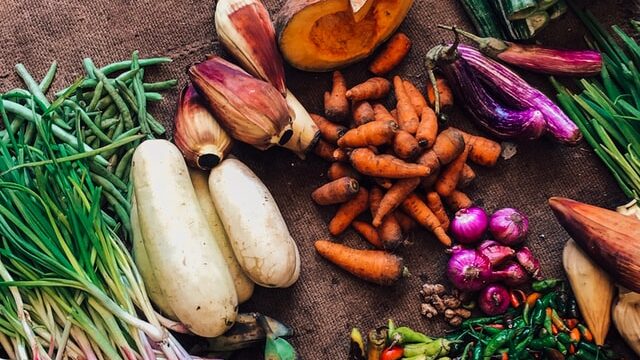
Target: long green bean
x=161 y=85
x=120 y=104
x=47 y=80
x=138 y=90
x=33 y=86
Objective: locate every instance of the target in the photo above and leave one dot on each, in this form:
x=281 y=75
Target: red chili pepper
x=505 y=356
x=517 y=297
x=554 y=329
x=571 y=323
x=575 y=335
x=572 y=349
x=392 y=353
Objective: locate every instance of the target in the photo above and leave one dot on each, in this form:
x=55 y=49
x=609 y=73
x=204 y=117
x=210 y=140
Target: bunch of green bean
x=107 y=105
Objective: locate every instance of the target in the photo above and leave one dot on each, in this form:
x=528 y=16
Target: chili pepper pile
x=544 y=324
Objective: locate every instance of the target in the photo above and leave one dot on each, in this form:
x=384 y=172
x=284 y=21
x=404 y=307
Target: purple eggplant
x=538 y=58
x=503 y=121
x=517 y=92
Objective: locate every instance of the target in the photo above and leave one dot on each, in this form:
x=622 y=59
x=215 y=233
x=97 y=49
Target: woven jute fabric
x=326 y=302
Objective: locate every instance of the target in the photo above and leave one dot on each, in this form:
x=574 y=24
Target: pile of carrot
x=391 y=171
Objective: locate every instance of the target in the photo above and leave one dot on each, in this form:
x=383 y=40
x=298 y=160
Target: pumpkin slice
x=323 y=35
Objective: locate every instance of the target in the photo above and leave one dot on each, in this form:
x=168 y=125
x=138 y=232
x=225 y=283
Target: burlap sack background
x=326 y=302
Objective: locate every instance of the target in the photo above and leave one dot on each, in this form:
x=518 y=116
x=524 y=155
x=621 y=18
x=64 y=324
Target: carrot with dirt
x=368 y=163
x=380 y=113
x=394 y=197
x=446 y=95
x=336 y=191
x=485 y=152
x=407 y=116
x=362 y=112
x=368 y=232
x=407 y=224
x=449 y=145
x=394 y=113
x=336 y=105
x=427 y=129
x=374 y=88
x=430 y=160
x=435 y=204
x=340 y=169
x=420 y=212
x=389 y=229
x=348 y=212
x=324 y=150
x=450 y=175
x=340 y=155
x=458 y=200
x=383 y=182
x=329 y=131
x=374 y=133
x=466 y=176
x=376 y=266
x=405 y=146
x=394 y=51
x=415 y=96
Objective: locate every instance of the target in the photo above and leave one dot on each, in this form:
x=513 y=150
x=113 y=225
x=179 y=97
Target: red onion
x=469 y=224
x=494 y=300
x=508 y=226
x=468 y=270
x=529 y=262
x=495 y=252
x=512 y=274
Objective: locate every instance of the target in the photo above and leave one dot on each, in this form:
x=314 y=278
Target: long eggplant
x=519 y=93
x=495 y=117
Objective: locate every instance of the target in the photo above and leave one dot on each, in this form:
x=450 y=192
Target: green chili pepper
x=539 y=314
x=564 y=338
x=547 y=322
x=545 y=285
x=583 y=354
x=432 y=349
x=545 y=342
x=481 y=321
x=404 y=335
x=546 y=300
x=478 y=352
x=560 y=346
x=466 y=351
x=497 y=342
x=522 y=343
x=491 y=331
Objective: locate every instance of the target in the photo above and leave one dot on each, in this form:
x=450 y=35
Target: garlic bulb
x=251 y=110
x=245 y=29
x=198 y=135
x=626 y=317
x=305 y=130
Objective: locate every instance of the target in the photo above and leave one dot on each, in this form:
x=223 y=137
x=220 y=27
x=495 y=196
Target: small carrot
x=446 y=96
x=336 y=106
x=389 y=230
x=407 y=116
x=374 y=88
x=348 y=212
x=340 y=169
x=417 y=100
x=485 y=152
x=368 y=163
x=368 y=232
x=374 y=133
x=394 y=197
x=375 y=196
x=420 y=212
x=466 y=176
x=430 y=160
x=406 y=222
x=575 y=335
x=405 y=146
x=451 y=175
x=383 y=182
x=325 y=150
x=458 y=200
x=449 y=145
x=376 y=266
x=380 y=113
x=427 y=129
x=336 y=192
x=391 y=55
x=340 y=155
x=329 y=131
x=362 y=112
x=435 y=205
x=429 y=181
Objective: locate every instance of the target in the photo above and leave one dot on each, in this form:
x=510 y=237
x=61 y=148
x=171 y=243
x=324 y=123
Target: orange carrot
x=451 y=175
x=336 y=106
x=466 y=176
x=407 y=116
x=429 y=181
x=446 y=96
x=374 y=133
x=394 y=113
x=374 y=88
x=340 y=169
x=389 y=230
x=430 y=160
x=348 y=212
x=485 y=152
x=458 y=200
x=380 y=113
x=394 y=197
x=376 y=266
x=427 y=129
x=324 y=150
x=375 y=196
x=405 y=146
x=448 y=145
x=406 y=222
x=383 y=182
x=394 y=51
x=368 y=163
x=362 y=112
x=417 y=100
x=340 y=155
x=435 y=204
x=368 y=232
x=420 y=212
x=329 y=131
x=336 y=192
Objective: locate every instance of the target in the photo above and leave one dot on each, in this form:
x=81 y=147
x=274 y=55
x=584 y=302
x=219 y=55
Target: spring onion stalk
x=607 y=110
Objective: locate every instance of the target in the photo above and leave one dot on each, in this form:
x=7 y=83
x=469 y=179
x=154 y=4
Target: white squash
x=188 y=265
x=244 y=286
x=258 y=234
